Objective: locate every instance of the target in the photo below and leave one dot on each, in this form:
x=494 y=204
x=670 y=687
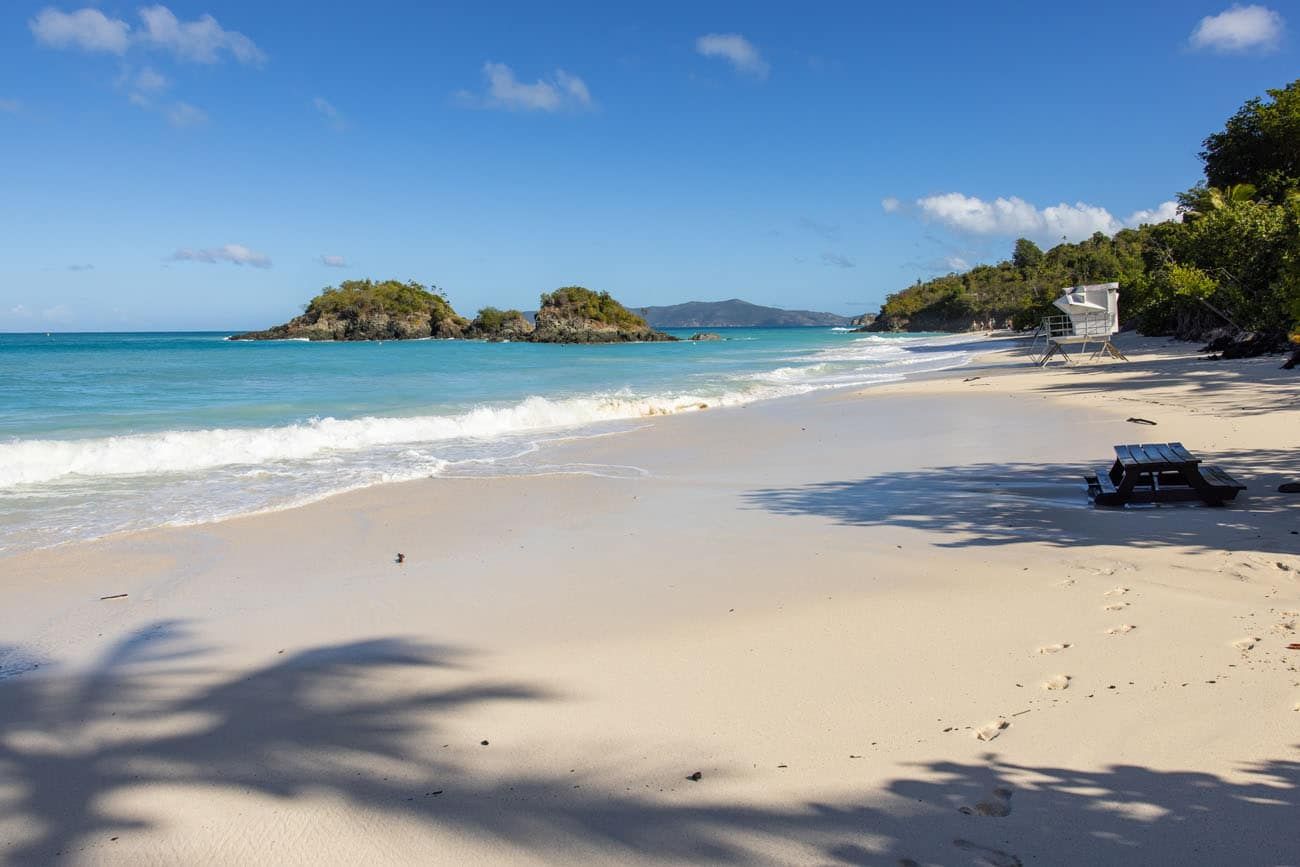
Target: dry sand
x=884 y=628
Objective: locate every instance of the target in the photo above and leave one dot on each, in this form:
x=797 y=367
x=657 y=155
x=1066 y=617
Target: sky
x=213 y=165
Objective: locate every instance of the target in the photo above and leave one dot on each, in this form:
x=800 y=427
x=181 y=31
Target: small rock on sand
x=989 y=731
x=1059 y=681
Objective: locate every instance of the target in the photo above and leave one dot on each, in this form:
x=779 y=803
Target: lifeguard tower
x=1089 y=317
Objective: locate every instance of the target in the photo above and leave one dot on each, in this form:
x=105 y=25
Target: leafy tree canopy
x=1259 y=145
x=578 y=301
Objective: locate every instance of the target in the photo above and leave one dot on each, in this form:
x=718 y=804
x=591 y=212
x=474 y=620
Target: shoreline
x=815 y=602
x=624 y=409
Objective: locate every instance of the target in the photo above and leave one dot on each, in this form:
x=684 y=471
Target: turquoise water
x=101 y=433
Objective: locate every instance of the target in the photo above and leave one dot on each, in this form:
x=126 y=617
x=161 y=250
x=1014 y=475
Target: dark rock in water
x=366 y=310
x=1290 y=488
x=1293 y=361
x=574 y=314
x=500 y=325
x=705 y=335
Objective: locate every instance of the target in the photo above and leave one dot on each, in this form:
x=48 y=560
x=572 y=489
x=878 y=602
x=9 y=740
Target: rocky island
x=577 y=315
x=369 y=310
x=392 y=310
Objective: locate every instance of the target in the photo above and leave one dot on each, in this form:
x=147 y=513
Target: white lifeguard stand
x=1090 y=316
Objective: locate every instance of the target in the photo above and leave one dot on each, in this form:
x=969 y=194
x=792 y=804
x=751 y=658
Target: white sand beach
x=883 y=627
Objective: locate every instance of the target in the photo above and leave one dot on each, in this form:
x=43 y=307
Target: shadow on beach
x=1004 y=504
x=310 y=725
x=1246 y=387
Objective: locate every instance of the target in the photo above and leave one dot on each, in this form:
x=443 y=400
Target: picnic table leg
x=1192 y=476
x=1123 y=490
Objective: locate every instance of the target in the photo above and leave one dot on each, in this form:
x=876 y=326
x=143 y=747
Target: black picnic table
x=1160 y=473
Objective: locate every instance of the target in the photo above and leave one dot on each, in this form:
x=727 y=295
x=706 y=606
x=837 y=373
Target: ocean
x=108 y=433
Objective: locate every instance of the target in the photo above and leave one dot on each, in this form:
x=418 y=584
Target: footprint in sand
x=1116 y=606
x=986 y=856
x=1116 y=591
x=991 y=730
x=1052 y=648
x=997 y=805
x=1057 y=681
x=1121 y=629
x=1245 y=643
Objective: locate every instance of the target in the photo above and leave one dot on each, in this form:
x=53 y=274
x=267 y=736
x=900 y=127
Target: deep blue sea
x=103 y=433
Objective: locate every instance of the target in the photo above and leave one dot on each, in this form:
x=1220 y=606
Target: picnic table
x=1160 y=473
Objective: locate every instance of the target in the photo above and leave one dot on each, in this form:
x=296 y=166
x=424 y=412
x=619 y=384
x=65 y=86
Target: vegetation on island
x=498 y=325
x=370 y=310
x=575 y=314
x=392 y=310
x=1232 y=260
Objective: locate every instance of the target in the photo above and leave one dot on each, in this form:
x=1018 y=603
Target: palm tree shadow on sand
x=987 y=504
x=310 y=723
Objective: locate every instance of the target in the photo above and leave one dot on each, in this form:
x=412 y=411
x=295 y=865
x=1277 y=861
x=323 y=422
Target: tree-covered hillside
x=1232 y=261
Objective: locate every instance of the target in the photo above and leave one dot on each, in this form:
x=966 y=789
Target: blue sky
x=214 y=164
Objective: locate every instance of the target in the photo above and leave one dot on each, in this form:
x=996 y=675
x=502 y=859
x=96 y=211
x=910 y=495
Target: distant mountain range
x=737 y=313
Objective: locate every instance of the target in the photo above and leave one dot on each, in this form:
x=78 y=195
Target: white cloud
x=142 y=86
x=890 y=204
x=837 y=261
x=202 y=40
x=1161 y=213
x=81 y=267
x=562 y=90
x=87 y=29
x=149 y=81
x=1012 y=216
x=334 y=261
x=330 y=113
x=1238 y=29
x=957 y=263
x=736 y=50
x=235 y=254
x=183 y=114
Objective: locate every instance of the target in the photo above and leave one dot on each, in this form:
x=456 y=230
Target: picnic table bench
x=1160 y=473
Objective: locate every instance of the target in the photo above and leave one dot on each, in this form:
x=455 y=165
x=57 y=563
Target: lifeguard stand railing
x=1080 y=332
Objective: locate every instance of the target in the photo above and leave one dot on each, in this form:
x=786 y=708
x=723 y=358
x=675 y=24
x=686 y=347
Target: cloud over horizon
x=234 y=254
x=736 y=50
x=333 y=261
x=1012 y=216
x=202 y=40
x=1239 y=29
x=562 y=90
